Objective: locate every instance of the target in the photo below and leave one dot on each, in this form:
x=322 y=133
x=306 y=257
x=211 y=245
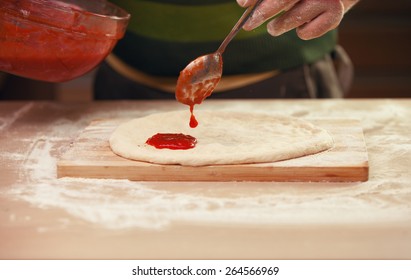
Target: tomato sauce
x=199 y=93
x=36 y=48
x=193 y=121
x=172 y=141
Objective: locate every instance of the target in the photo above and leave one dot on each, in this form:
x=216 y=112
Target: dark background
x=377 y=36
x=375 y=33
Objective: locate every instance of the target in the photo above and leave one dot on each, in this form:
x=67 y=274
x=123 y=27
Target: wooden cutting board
x=90 y=156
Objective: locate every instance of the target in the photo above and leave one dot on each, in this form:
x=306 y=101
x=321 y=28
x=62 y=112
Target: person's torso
x=165 y=35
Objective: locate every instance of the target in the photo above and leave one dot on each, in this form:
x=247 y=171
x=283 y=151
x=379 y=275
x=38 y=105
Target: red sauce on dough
x=52 y=54
x=172 y=141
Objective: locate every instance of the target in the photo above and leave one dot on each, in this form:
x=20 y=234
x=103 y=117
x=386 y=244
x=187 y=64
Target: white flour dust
x=9 y=120
x=122 y=204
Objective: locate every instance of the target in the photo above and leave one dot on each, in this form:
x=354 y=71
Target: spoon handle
x=240 y=23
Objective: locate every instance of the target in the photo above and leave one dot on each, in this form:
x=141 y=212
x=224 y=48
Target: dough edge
x=320 y=141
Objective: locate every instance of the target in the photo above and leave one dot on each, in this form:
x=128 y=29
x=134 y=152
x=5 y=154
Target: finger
x=319 y=26
x=348 y=4
x=245 y=3
x=267 y=10
x=311 y=18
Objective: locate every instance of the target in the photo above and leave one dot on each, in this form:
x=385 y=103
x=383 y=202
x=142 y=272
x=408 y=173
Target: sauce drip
x=193 y=120
x=172 y=141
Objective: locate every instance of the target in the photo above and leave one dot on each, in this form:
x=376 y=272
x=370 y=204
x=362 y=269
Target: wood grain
x=90 y=156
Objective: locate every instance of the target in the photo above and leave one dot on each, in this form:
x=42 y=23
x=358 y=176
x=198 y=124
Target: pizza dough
x=222 y=138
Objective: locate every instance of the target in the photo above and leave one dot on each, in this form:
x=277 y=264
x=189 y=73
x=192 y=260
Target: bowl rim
x=120 y=16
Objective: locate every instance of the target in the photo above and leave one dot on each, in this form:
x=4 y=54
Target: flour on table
x=222 y=138
x=123 y=204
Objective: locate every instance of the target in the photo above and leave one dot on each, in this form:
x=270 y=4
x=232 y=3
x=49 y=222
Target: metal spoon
x=200 y=77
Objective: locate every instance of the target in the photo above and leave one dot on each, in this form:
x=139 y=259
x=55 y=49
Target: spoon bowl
x=198 y=80
x=200 y=77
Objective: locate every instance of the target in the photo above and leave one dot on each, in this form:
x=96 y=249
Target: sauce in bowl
x=57 y=41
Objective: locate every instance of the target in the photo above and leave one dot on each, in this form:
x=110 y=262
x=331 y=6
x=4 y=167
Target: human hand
x=311 y=18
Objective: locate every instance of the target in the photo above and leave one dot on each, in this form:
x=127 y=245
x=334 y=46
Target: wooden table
x=45 y=217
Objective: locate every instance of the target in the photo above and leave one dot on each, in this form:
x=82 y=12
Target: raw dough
x=223 y=138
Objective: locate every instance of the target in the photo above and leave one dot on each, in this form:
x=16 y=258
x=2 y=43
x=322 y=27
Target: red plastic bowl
x=57 y=41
